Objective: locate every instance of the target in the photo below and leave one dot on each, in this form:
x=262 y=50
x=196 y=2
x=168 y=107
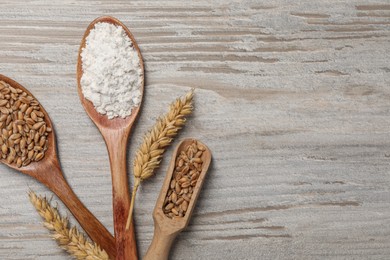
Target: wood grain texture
x=292 y=98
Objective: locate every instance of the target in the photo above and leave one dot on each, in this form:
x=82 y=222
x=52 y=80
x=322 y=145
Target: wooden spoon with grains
x=27 y=124
x=183 y=182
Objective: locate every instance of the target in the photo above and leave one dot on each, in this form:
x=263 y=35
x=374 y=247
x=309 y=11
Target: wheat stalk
x=149 y=154
x=70 y=239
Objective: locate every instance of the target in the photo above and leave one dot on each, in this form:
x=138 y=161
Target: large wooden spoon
x=115 y=133
x=48 y=172
x=165 y=228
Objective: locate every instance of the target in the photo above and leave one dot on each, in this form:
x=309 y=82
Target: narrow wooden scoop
x=115 y=133
x=48 y=172
x=165 y=228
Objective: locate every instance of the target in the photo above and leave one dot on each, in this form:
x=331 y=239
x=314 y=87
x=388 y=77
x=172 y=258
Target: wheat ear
x=149 y=154
x=70 y=239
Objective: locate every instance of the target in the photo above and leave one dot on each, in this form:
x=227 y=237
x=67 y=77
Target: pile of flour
x=112 y=74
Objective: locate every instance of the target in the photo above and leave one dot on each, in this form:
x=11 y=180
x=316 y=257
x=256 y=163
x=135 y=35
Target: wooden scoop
x=115 y=133
x=48 y=172
x=165 y=228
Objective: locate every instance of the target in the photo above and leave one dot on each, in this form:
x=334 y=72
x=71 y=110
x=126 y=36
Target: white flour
x=111 y=71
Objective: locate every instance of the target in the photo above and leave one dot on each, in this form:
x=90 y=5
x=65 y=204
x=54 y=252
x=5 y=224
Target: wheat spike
x=149 y=154
x=70 y=239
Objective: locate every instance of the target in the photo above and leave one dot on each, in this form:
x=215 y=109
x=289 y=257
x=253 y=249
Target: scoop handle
x=161 y=245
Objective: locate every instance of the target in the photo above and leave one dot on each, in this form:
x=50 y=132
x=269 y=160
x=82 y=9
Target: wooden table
x=291 y=96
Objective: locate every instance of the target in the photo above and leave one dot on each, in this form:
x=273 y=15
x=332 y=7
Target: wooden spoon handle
x=96 y=231
x=125 y=239
x=160 y=246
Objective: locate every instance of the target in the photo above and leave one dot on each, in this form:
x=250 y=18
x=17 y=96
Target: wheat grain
x=184 y=180
x=70 y=239
x=149 y=155
x=21 y=123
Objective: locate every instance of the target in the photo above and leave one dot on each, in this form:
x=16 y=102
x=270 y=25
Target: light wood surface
x=116 y=135
x=166 y=229
x=292 y=98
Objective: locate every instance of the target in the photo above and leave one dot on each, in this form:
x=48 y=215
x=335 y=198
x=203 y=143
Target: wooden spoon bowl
x=102 y=121
x=115 y=133
x=166 y=229
x=48 y=172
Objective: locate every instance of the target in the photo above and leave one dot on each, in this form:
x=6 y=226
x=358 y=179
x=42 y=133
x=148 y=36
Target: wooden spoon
x=48 y=172
x=115 y=133
x=165 y=228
